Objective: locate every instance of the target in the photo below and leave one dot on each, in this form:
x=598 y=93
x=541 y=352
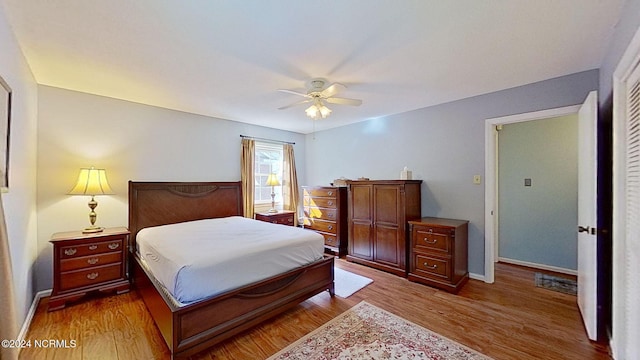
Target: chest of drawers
x=325 y=211
x=438 y=253
x=88 y=262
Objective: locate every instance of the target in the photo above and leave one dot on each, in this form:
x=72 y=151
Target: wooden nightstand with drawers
x=438 y=253
x=88 y=262
x=283 y=217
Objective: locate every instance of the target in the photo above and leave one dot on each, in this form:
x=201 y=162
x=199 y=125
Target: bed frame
x=195 y=327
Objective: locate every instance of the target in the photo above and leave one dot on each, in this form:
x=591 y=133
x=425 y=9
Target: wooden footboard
x=193 y=328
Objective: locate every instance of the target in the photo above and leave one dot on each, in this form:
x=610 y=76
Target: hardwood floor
x=511 y=319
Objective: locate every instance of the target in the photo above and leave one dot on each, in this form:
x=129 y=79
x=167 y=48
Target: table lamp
x=272 y=181
x=92 y=182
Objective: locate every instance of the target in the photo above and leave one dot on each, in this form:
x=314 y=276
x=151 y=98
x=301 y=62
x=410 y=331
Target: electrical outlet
x=477 y=180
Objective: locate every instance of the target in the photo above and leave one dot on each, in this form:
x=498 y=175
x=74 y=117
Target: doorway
x=538 y=194
x=491 y=176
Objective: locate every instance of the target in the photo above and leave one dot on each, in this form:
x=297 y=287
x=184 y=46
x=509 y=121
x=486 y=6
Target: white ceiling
x=226 y=58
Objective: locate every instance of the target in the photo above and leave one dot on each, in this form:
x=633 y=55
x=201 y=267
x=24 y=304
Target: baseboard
x=539 y=266
x=32 y=312
x=476 y=276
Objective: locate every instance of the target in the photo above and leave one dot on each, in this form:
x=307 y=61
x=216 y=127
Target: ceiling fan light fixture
x=318 y=93
x=313 y=112
x=318 y=110
x=324 y=111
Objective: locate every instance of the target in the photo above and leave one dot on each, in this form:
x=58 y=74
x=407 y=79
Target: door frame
x=491 y=210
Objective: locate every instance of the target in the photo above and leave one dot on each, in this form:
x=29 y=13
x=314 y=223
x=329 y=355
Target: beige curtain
x=290 y=191
x=247 y=175
x=8 y=323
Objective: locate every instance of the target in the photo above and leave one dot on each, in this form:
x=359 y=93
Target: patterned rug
x=556 y=283
x=368 y=332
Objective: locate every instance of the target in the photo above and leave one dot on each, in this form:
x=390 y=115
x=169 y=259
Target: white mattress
x=198 y=259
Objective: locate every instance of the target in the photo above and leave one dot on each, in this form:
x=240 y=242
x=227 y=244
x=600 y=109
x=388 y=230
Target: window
x=268 y=159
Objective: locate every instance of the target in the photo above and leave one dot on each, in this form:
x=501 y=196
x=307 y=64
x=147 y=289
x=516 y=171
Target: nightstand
x=283 y=217
x=438 y=253
x=88 y=262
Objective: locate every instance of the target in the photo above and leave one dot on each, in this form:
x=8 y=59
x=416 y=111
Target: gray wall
x=133 y=142
x=537 y=223
x=20 y=201
x=443 y=145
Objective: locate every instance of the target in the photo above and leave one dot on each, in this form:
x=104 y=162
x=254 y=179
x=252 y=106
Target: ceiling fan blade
x=332 y=90
x=295 y=104
x=344 y=101
x=294 y=92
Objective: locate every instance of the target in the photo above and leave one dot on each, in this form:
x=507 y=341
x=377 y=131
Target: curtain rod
x=269 y=140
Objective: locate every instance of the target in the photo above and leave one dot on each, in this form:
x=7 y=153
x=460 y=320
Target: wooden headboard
x=162 y=203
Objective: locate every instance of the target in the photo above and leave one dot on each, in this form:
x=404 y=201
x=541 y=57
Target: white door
x=587 y=216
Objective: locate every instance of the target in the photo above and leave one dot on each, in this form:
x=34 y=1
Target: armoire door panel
x=387 y=202
x=387 y=248
x=361 y=203
x=360 y=243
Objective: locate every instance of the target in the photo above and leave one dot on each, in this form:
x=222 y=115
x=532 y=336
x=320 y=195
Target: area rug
x=368 y=332
x=347 y=283
x=556 y=283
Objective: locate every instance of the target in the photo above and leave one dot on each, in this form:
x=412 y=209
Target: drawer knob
x=93 y=247
x=114 y=246
x=330 y=193
x=330 y=227
x=92 y=276
x=428 y=241
x=330 y=202
x=434 y=266
x=70 y=252
x=92 y=261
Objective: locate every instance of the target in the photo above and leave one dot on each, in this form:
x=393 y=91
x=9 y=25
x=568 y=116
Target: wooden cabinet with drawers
x=378 y=215
x=438 y=253
x=325 y=211
x=88 y=262
x=284 y=217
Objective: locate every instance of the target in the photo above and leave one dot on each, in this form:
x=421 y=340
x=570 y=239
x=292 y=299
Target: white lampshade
x=91 y=181
x=272 y=180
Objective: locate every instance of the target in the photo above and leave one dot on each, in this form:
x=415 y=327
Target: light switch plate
x=477 y=180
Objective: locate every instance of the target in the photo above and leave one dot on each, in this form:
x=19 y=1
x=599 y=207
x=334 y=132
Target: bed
x=193 y=327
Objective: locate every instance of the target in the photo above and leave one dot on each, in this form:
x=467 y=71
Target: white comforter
x=199 y=259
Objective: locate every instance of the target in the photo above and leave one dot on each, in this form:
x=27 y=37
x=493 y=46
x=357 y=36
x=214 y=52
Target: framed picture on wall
x=5 y=126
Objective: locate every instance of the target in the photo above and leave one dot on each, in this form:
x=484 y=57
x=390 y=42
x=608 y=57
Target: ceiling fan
x=317 y=94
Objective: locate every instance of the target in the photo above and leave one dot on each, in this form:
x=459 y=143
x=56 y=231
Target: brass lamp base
x=92 y=218
x=273 y=202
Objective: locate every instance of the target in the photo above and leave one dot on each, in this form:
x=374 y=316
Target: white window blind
x=632 y=231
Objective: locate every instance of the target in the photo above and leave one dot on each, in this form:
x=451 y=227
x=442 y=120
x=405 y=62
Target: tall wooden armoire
x=378 y=212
